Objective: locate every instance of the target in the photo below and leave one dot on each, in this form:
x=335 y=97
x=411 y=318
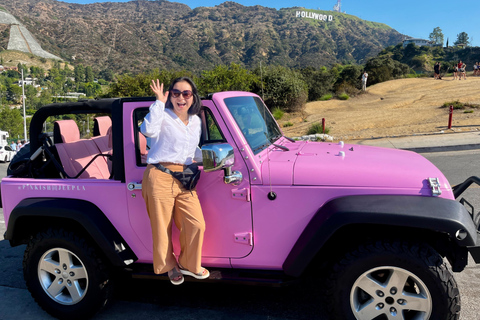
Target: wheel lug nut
x=380 y=293
x=393 y=290
x=401 y=301
x=57 y=271
x=379 y=306
x=72 y=274
x=64 y=266
x=393 y=311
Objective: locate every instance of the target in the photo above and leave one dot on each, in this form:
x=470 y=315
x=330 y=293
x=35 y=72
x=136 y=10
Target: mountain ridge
x=139 y=35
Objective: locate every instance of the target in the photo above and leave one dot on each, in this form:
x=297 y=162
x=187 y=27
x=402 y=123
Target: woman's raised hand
x=157 y=88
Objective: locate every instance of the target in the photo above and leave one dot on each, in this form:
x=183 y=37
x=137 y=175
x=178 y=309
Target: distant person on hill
x=364 y=81
x=13 y=146
x=463 y=71
x=455 y=72
x=436 y=71
x=476 y=69
x=19 y=145
x=459 y=66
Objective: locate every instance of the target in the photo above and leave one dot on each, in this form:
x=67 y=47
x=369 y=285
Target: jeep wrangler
x=384 y=222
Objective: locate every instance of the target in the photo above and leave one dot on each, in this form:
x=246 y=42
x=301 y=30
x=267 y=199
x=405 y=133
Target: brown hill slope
x=140 y=35
x=394 y=108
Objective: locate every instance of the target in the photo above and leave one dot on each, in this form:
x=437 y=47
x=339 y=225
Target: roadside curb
x=444 y=148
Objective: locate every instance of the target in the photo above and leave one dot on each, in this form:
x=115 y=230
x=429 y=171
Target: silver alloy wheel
x=390 y=291
x=63 y=276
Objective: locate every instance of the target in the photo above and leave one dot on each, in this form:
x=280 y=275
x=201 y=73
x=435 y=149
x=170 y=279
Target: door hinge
x=241 y=194
x=244 y=238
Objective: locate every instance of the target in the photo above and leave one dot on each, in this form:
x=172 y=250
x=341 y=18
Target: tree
x=139 y=85
x=11 y=120
x=227 y=78
x=284 y=88
x=462 y=38
x=89 y=77
x=436 y=36
x=79 y=74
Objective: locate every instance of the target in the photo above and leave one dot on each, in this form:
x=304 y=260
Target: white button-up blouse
x=171 y=140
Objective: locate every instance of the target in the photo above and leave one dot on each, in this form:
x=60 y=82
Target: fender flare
x=81 y=212
x=428 y=213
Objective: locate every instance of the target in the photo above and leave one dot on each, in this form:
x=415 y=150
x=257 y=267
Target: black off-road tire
x=409 y=279
x=65 y=275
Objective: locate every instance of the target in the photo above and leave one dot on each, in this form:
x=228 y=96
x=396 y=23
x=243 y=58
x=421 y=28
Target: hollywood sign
x=314 y=15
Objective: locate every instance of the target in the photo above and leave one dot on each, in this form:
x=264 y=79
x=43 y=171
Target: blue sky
x=415 y=18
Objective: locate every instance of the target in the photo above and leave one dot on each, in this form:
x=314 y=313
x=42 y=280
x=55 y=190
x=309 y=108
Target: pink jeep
x=379 y=221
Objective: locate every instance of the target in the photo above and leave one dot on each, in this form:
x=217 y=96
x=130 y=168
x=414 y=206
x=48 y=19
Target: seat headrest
x=101 y=125
x=65 y=131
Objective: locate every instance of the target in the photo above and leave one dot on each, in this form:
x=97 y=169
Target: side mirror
x=217 y=156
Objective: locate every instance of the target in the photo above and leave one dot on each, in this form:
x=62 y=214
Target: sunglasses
x=187 y=94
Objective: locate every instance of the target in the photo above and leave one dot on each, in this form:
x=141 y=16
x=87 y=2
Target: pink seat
x=76 y=153
x=101 y=125
x=104 y=145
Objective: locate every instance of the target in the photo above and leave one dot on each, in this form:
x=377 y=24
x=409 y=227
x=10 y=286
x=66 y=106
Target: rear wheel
x=65 y=275
x=394 y=280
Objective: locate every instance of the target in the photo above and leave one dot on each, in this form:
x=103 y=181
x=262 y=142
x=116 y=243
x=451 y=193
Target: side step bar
x=238 y=276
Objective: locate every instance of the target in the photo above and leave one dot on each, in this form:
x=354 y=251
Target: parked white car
x=6 y=153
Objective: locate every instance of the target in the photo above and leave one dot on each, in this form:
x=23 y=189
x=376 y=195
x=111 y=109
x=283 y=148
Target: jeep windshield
x=254 y=120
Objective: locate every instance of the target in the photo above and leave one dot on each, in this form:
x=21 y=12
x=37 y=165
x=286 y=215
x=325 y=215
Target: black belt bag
x=188 y=177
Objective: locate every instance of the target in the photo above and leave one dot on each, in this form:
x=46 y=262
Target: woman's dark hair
x=197 y=103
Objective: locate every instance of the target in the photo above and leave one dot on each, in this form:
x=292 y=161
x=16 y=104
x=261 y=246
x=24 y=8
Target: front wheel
x=393 y=280
x=65 y=275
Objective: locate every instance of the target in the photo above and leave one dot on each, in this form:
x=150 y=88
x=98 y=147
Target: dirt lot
x=394 y=108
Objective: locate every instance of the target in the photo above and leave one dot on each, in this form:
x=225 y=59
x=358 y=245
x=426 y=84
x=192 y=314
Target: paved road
x=160 y=300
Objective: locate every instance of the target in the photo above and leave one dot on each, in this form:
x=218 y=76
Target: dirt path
x=394 y=108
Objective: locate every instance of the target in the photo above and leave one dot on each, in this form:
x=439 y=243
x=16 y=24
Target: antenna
x=338 y=6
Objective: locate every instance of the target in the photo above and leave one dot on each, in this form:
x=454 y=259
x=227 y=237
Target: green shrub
x=317 y=128
x=457 y=105
x=468 y=111
x=277 y=113
x=343 y=96
x=287 y=124
x=326 y=97
x=283 y=88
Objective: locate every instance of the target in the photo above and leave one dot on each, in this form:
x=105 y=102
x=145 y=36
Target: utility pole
x=24 y=114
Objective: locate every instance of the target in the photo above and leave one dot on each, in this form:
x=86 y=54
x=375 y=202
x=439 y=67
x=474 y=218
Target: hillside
x=140 y=35
x=394 y=108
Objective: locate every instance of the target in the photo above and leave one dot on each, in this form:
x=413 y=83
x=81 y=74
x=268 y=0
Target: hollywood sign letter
x=314 y=15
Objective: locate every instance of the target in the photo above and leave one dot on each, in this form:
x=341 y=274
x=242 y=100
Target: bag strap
x=162 y=168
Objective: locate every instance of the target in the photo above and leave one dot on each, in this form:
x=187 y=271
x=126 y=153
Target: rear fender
x=46 y=212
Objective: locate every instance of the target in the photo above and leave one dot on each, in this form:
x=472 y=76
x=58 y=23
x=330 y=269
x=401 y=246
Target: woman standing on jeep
x=174 y=128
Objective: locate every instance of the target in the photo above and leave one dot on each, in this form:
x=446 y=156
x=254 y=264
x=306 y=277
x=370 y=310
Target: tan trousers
x=168 y=200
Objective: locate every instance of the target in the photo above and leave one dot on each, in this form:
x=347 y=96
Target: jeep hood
x=338 y=165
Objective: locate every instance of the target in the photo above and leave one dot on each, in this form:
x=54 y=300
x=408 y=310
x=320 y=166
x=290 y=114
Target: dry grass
x=394 y=108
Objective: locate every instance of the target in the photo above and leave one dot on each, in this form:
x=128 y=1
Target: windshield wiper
x=280 y=136
x=261 y=147
x=280 y=147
